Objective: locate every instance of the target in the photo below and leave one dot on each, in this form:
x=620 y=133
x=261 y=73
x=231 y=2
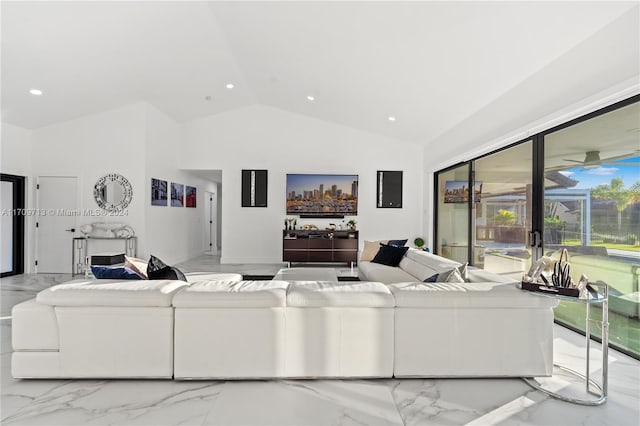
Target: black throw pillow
x=397 y=243
x=158 y=270
x=389 y=255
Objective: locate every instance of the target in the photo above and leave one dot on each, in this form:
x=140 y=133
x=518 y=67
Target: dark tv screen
x=311 y=195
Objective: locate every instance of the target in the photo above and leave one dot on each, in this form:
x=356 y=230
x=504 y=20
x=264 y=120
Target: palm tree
x=621 y=197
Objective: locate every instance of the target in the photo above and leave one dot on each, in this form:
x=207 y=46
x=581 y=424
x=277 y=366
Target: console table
x=320 y=246
x=80 y=251
x=601 y=394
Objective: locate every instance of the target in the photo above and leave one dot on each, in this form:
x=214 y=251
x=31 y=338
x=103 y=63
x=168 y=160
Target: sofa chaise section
x=471 y=330
x=96 y=329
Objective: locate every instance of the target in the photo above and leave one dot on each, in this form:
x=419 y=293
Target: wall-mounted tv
x=457 y=191
x=330 y=196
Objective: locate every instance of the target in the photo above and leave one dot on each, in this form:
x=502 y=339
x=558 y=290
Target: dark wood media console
x=320 y=246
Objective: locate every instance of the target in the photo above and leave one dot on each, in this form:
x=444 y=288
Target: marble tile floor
x=308 y=402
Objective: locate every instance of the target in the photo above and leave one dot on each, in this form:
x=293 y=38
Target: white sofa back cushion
x=330 y=293
x=111 y=293
x=466 y=295
x=437 y=263
x=232 y=294
x=383 y=273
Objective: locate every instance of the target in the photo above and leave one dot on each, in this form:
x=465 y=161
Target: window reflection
x=597 y=216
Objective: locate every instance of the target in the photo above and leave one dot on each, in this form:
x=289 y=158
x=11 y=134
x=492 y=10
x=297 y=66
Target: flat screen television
x=457 y=191
x=318 y=196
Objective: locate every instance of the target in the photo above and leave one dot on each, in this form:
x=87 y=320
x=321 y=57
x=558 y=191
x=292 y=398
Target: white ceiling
x=430 y=64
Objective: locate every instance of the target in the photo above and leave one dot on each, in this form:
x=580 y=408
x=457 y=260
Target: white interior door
x=56 y=223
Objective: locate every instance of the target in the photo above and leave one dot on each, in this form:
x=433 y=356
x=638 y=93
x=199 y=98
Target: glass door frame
x=436 y=189
x=17 y=213
x=537 y=179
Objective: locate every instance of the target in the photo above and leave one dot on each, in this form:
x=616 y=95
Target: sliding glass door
x=452 y=189
x=595 y=214
x=503 y=207
x=575 y=186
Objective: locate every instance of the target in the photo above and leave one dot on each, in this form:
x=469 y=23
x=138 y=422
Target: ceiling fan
x=591 y=160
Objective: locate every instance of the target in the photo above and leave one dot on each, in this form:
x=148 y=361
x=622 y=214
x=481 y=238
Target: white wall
x=598 y=72
x=261 y=137
x=90 y=147
x=173 y=234
x=15 y=150
x=16 y=159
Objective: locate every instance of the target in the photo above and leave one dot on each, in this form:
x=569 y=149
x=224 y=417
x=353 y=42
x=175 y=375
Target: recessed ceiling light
x=36 y=92
x=391 y=118
x=229 y=86
x=311 y=98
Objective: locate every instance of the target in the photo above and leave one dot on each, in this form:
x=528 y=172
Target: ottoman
x=339 y=329
x=230 y=329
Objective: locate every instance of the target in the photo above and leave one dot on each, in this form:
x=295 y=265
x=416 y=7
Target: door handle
x=71 y=230
x=534 y=239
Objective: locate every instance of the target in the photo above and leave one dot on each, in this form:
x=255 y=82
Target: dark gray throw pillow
x=432 y=279
x=158 y=270
x=397 y=243
x=389 y=255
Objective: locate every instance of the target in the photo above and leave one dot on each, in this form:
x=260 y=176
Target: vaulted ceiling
x=428 y=64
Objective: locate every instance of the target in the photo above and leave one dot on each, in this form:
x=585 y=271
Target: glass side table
x=80 y=263
x=601 y=389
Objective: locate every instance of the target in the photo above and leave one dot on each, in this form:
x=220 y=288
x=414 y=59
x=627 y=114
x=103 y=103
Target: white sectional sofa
x=96 y=329
x=485 y=327
x=219 y=327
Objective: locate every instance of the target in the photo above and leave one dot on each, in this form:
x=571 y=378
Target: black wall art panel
x=389 y=189
x=254 y=188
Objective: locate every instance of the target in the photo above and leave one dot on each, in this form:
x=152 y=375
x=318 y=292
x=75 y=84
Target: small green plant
x=504 y=217
x=351 y=222
x=418 y=242
x=553 y=221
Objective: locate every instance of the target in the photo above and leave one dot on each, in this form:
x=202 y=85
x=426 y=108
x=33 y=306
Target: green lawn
x=623 y=331
x=599 y=243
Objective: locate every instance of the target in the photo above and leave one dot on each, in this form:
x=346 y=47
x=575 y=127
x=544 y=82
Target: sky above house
x=626 y=169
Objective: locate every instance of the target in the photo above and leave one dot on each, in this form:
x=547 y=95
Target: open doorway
x=212 y=211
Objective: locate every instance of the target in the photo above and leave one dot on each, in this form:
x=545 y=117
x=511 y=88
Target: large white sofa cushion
x=111 y=293
x=330 y=293
x=383 y=273
x=34 y=327
x=417 y=270
x=435 y=262
x=194 y=277
x=232 y=294
x=466 y=295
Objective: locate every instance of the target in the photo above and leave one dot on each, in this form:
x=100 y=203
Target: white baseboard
x=224 y=259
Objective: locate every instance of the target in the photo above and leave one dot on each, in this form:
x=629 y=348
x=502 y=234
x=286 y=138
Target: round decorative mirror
x=113 y=192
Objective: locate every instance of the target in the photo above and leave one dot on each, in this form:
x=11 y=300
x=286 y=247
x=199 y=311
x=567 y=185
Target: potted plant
x=352 y=224
x=419 y=243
